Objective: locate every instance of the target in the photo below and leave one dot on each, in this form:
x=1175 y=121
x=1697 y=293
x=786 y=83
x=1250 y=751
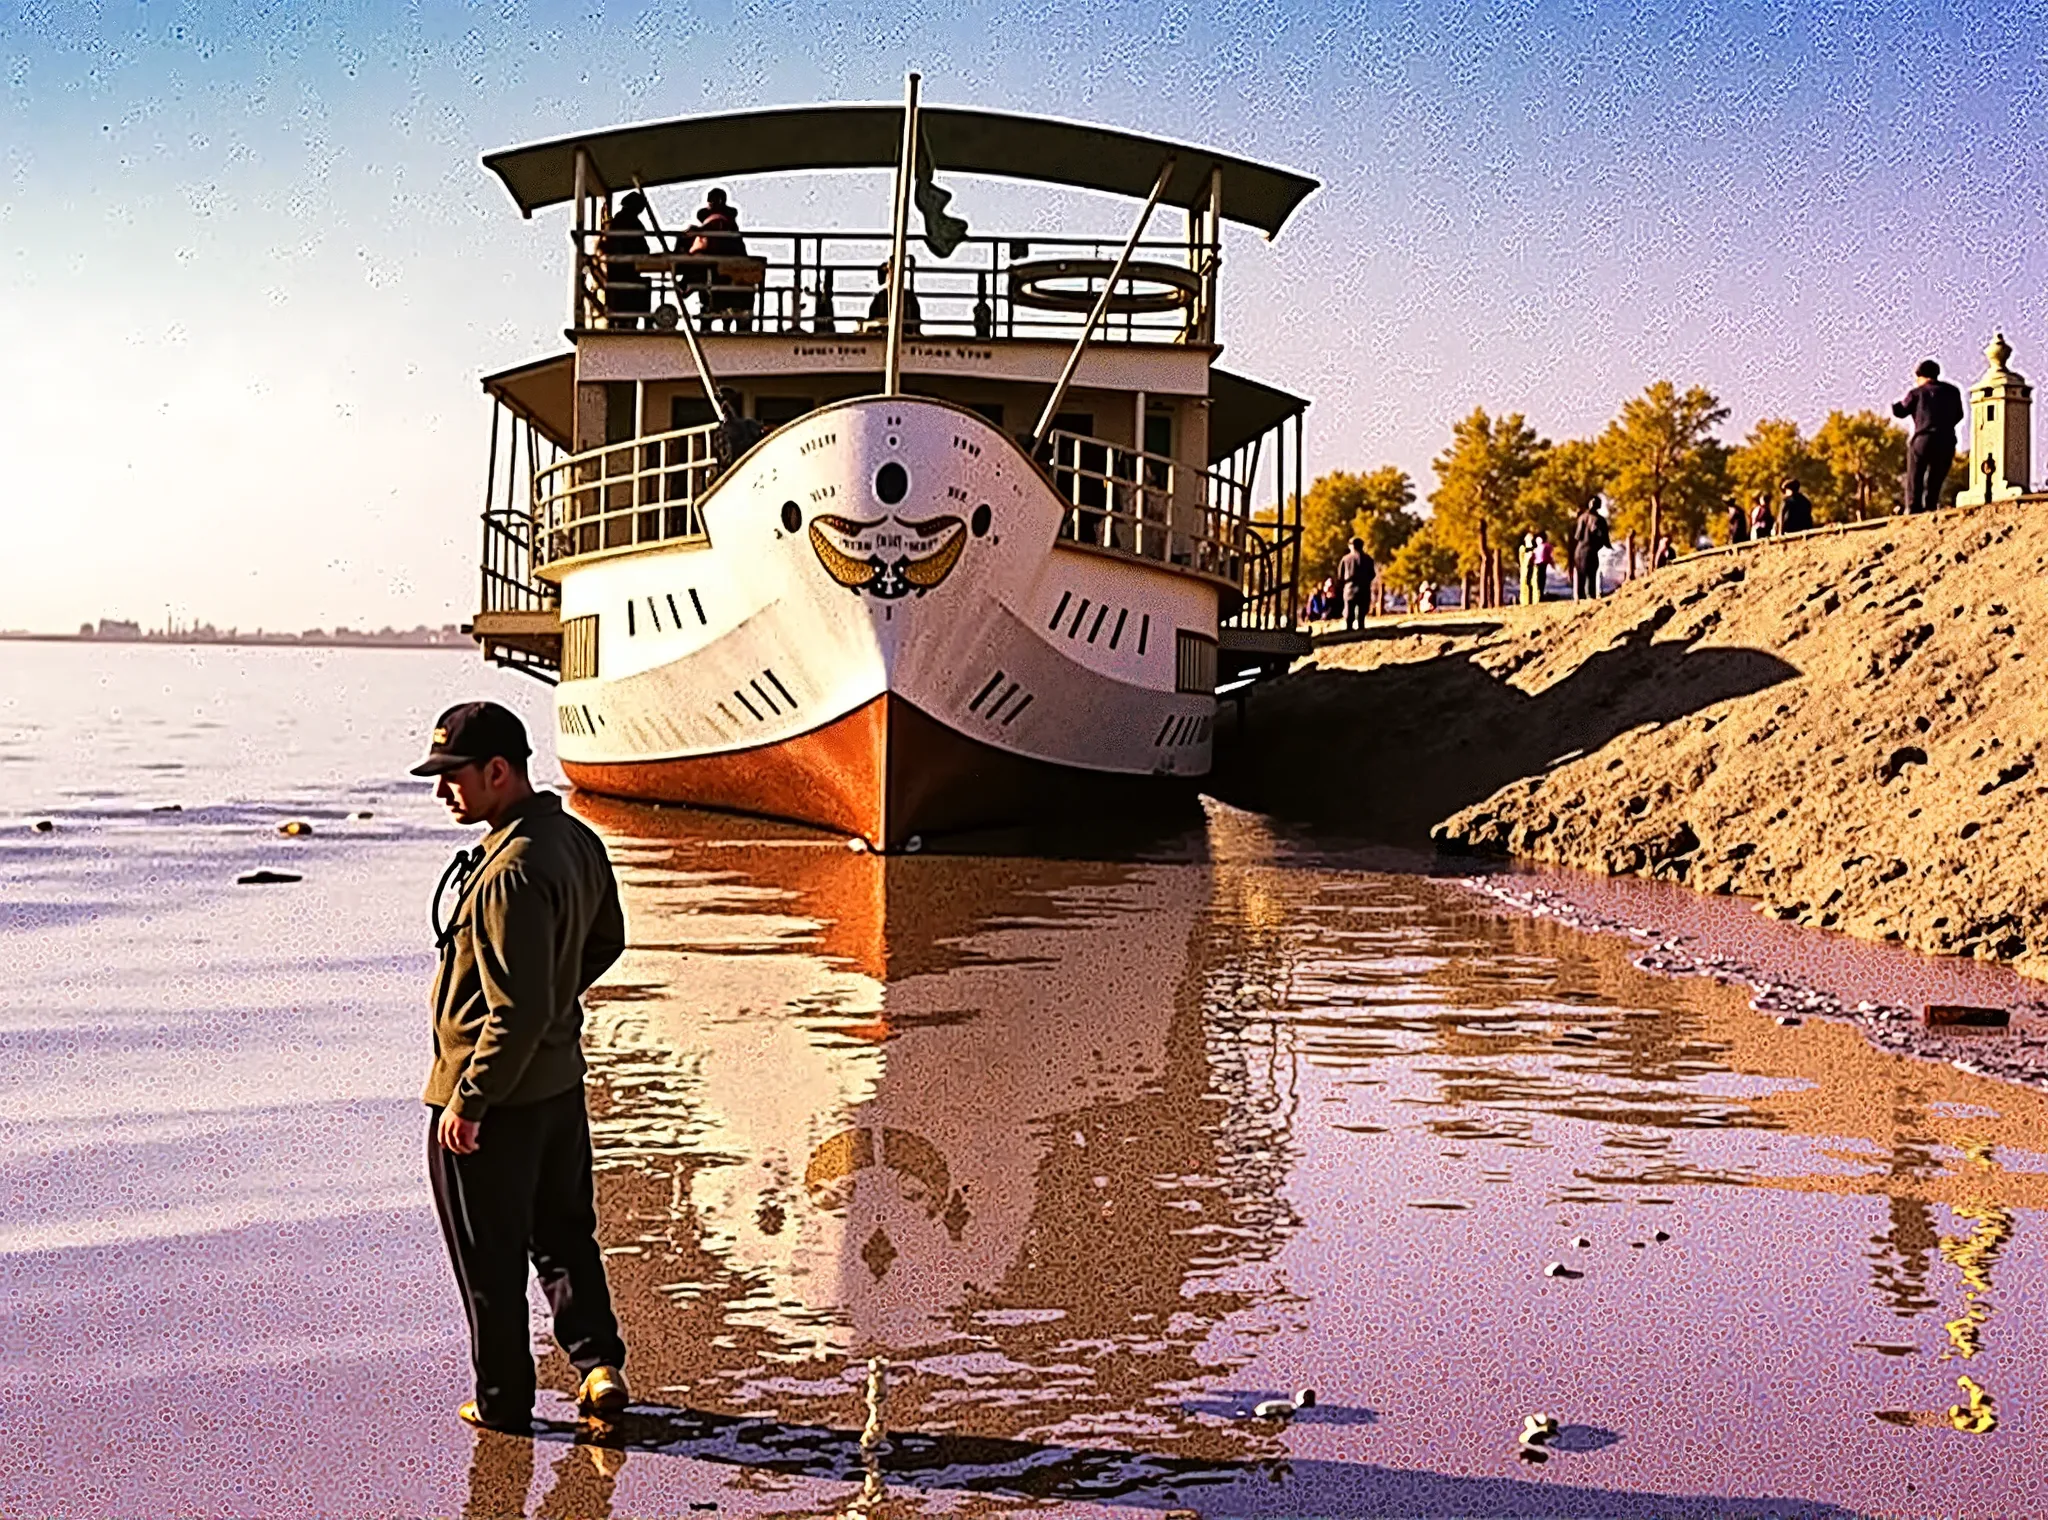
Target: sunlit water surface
x=1096 y=1153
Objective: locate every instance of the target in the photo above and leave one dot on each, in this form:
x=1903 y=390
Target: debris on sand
x=1559 y=1269
x=267 y=879
x=43 y=826
x=297 y=828
x=1966 y=1016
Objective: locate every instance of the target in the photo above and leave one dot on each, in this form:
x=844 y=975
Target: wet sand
x=1097 y=1153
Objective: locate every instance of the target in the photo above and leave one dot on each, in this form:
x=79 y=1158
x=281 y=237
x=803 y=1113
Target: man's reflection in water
x=584 y=1478
x=500 y=1473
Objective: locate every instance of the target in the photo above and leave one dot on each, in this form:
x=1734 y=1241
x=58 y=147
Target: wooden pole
x=892 y=365
x=1123 y=260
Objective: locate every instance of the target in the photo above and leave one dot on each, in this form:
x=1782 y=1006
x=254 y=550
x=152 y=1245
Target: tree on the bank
x=1774 y=452
x=1866 y=458
x=1480 y=481
x=1372 y=505
x=1424 y=557
x=1569 y=476
x=1666 y=471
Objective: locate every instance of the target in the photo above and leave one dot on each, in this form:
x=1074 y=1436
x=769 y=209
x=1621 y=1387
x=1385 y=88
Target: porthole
x=792 y=517
x=979 y=522
x=892 y=483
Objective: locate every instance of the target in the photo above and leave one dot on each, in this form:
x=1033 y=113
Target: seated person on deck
x=716 y=235
x=878 y=308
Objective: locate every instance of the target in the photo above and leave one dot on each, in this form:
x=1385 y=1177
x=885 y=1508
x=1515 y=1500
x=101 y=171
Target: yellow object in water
x=1980 y=1415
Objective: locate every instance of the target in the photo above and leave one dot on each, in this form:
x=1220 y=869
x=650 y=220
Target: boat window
x=780 y=411
x=620 y=425
x=1159 y=433
x=688 y=411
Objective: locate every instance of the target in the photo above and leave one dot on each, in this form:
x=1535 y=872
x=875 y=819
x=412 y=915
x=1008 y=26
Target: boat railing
x=642 y=491
x=825 y=284
x=508 y=563
x=1267 y=576
x=1147 y=505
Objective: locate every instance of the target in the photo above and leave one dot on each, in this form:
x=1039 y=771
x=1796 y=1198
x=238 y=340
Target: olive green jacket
x=535 y=925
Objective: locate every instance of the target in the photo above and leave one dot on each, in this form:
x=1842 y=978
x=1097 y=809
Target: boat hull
x=888 y=774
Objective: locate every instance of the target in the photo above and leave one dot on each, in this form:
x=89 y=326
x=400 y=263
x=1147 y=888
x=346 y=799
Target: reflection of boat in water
x=985 y=1133
x=828 y=570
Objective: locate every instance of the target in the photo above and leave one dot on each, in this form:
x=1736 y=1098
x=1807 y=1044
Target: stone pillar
x=2001 y=430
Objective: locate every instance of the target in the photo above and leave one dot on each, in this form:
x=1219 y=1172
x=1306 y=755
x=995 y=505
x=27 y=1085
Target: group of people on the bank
x=1934 y=405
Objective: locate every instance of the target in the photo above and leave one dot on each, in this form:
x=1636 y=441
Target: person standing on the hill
x=1763 y=522
x=1738 y=524
x=1936 y=408
x=535 y=921
x=1589 y=537
x=1525 y=565
x=1354 y=583
x=1795 y=513
x=1541 y=573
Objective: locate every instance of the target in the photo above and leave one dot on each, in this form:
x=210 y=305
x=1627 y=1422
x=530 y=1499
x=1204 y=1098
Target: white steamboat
x=971 y=544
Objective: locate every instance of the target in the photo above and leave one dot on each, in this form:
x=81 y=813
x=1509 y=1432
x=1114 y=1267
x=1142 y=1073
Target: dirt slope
x=1846 y=726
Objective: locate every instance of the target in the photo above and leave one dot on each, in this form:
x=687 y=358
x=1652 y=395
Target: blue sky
x=250 y=269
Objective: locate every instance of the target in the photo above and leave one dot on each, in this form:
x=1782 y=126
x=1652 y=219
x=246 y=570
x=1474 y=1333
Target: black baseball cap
x=471 y=732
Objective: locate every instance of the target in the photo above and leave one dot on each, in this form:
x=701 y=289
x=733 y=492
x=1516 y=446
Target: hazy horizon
x=254 y=269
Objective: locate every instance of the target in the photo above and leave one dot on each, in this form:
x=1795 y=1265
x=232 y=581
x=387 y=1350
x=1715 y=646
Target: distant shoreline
x=245 y=641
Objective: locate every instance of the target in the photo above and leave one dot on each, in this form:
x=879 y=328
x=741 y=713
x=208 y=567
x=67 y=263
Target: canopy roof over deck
x=963 y=141
x=544 y=394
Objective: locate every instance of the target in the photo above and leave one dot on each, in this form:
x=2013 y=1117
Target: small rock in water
x=1580 y=1243
x=295 y=829
x=168 y=807
x=858 y=845
x=1559 y=1269
x=1660 y=1236
x=1789 y=1019
x=1529 y=1453
x=1272 y=1409
x=43 y=826
x=364 y=813
x=266 y=878
x=1305 y=1398
x=1539 y=1429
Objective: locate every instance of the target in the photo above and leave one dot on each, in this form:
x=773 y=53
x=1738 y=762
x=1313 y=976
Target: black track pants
x=525 y=1192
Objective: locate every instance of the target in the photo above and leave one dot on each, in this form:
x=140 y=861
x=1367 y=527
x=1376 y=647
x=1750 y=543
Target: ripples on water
x=1097 y=1153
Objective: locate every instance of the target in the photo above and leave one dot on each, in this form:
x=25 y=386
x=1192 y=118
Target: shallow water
x=1096 y=1153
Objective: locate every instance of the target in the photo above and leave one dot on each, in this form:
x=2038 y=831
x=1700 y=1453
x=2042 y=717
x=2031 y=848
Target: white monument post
x=2001 y=431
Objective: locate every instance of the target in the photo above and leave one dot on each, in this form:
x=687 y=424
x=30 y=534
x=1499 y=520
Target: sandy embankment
x=1845 y=726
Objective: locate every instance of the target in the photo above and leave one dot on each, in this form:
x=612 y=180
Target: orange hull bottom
x=885 y=772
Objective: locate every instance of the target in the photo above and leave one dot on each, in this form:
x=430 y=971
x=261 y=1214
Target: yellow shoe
x=604 y=1391
x=469 y=1414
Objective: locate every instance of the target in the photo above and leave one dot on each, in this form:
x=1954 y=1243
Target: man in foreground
x=536 y=920
x=1936 y=408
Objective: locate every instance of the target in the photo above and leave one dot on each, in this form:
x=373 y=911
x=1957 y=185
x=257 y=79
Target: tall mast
x=892 y=368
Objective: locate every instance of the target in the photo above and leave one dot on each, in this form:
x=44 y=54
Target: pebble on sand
x=363 y=813
x=43 y=826
x=266 y=878
x=295 y=829
x=1790 y=1019
x=1580 y=1243
x=1559 y=1269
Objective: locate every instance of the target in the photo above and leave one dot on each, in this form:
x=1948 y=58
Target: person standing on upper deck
x=536 y=920
x=1354 y=583
x=627 y=294
x=1936 y=408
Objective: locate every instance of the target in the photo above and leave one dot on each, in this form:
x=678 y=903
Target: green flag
x=942 y=231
